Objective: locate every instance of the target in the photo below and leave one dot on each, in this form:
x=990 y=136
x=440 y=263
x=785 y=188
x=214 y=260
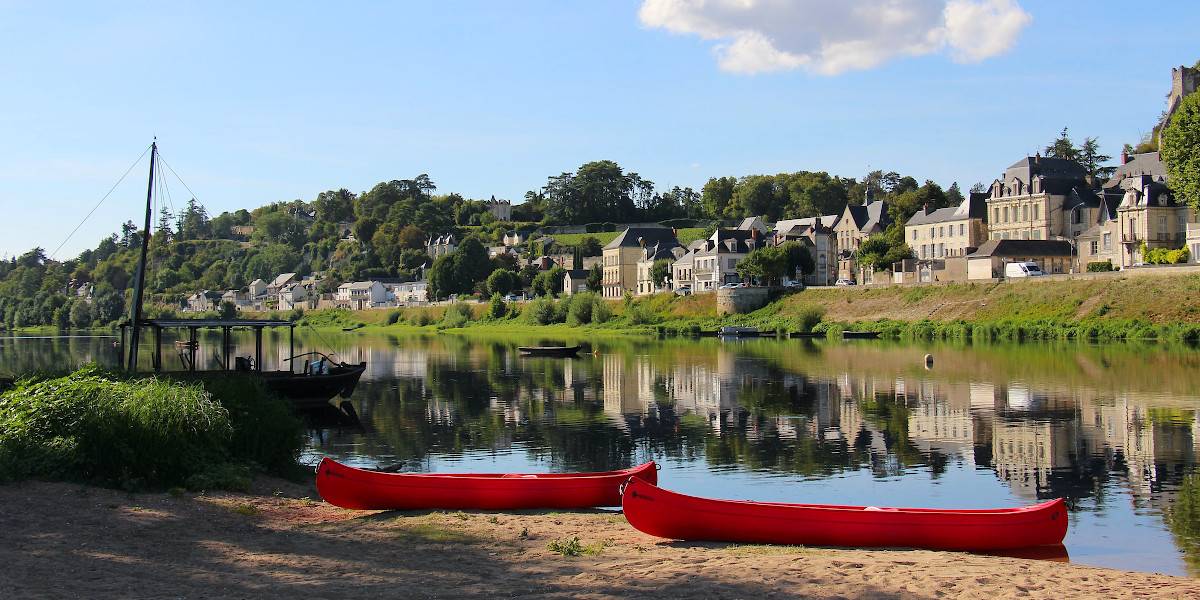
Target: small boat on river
x=348 y=487
x=731 y=331
x=860 y=335
x=561 y=351
x=672 y=515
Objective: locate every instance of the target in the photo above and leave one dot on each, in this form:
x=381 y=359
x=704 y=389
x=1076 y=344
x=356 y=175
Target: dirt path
x=68 y=541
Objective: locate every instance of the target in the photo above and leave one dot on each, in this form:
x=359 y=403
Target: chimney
x=754 y=233
x=1124 y=157
x=674 y=233
x=642 y=242
x=925 y=208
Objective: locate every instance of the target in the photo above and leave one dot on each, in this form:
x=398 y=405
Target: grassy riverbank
x=145 y=432
x=1165 y=308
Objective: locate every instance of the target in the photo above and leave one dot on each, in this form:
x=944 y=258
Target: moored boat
x=549 y=350
x=860 y=335
x=349 y=487
x=668 y=514
x=733 y=331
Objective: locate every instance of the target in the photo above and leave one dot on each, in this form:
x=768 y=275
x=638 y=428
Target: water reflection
x=1113 y=429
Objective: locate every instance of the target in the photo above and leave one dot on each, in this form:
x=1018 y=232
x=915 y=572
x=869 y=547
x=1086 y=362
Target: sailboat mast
x=139 y=280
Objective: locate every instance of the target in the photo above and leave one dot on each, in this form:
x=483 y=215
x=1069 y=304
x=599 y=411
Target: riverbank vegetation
x=1109 y=308
x=138 y=432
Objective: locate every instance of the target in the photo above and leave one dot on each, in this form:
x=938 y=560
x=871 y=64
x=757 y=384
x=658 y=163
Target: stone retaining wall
x=741 y=300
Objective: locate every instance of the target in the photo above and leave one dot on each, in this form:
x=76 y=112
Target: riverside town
x=663 y=298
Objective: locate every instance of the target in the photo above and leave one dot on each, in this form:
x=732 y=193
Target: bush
x=395 y=316
x=582 y=308
x=422 y=319
x=457 y=315
x=1100 y=266
x=541 y=311
x=497 y=309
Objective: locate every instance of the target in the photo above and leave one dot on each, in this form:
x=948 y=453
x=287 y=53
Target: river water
x=1115 y=429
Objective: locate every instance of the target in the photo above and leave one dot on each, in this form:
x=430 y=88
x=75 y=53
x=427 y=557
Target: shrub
x=457 y=315
x=395 y=316
x=497 y=309
x=541 y=311
x=1100 y=266
x=422 y=319
x=582 y=309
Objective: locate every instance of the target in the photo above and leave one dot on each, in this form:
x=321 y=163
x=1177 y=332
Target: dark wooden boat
x=860 y=335
x=668 y=514
x=348 y=487
x=807 y=335
x=563 y=351
x=310 y=387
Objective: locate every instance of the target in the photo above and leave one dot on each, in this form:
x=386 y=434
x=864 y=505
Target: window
x=1024 y=212
x=1107 y=242
x=1037 y=235
x=1095 y=247
x=962 y=229
x=916 y=233
x=1005 y=214
x=997 y=218
x=942 y=231
x=1024 y=235
x=1035 y=212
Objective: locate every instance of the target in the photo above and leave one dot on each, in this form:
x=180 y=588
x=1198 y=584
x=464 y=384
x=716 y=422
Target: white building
x=442 y=245
x=293 y=295
x=358 y=295
x=409 y=292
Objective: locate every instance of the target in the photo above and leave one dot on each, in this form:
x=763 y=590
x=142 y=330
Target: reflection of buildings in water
x=941 y=419
x=1025 y=453
x=1156 y=450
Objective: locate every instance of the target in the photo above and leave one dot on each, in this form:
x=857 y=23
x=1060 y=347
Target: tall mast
x=139 y=280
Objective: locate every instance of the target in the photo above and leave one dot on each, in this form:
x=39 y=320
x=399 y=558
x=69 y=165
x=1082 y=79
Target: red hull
x=349 y=487
x=667 y=514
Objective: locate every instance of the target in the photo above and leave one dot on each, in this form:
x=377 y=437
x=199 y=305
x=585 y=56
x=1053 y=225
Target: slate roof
x=1022 y=248
x=651 y=235
x=1149 y=163
x=739 y=237
x=1030 y=167
x=787 y=225
x=866 y=216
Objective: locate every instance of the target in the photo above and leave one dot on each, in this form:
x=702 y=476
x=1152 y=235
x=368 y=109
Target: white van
x=1023 y=269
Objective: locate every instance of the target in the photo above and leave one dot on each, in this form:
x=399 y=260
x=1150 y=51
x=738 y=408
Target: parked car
x=793 y=285
x=1023 y=269
x=512 y=298
x=844 y=282
x=728 y=286
x=683 y=290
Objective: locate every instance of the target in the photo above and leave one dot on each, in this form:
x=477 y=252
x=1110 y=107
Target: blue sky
x=255 y=104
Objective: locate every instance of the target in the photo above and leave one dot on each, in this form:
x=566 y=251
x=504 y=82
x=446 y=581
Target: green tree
x=502 y=282
x=334 y=206
x=767 y=264
x=595 y=278
x=1062 y=147
x=716 y=195
x=660 y=272
x=1181 y=150
x=799 y=259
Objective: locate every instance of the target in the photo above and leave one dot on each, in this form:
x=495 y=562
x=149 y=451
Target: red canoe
x=349 y=487
x=667 y=514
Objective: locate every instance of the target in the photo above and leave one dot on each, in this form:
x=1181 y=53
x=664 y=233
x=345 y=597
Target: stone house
x=442 y=245
x=620 y=257
x=669 y=251
x=409 y=292
x=293 y=295
x=857 y=223
x=204 y=301
x=715 y=264
x=950 y=232
x=1148 y=215
x=279 y=283
x=575 y=281
x=500 y=209
x=257 y=289
x=818 y=235
x=1041 y=198
x=682 y=269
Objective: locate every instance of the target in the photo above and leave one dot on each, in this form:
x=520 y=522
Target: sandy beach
x=61 y=540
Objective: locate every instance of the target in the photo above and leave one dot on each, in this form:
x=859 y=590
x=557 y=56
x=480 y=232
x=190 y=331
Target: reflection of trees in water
x=1183 y=519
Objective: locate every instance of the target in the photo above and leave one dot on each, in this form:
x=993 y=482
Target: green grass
x=571 y=547
x=102 y=427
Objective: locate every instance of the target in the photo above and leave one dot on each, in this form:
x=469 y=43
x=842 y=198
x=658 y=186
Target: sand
x=69 y=541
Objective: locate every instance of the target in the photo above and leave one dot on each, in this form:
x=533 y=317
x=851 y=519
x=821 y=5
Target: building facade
x=1041 y=198
x=620 y=258
x=818 y=235
x=951 y=232
x=857 y=223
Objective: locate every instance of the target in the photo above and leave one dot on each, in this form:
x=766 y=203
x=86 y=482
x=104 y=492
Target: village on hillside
x=1042 y=216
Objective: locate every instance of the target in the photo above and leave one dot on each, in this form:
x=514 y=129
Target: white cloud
x=834 y=36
